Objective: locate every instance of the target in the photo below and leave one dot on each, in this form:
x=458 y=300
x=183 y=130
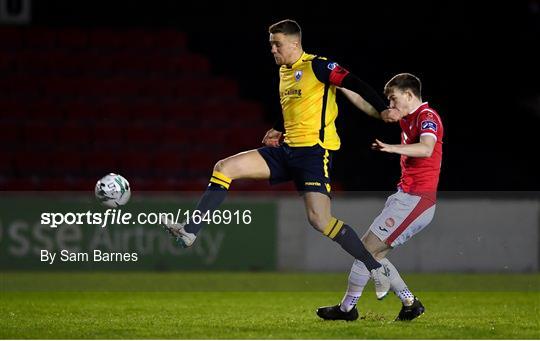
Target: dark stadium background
x=478 y=64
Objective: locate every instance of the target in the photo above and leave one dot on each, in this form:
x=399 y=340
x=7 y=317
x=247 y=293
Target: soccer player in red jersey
x=407 y=211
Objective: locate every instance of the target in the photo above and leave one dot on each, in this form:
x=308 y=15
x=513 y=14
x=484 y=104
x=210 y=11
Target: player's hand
x=381 y=146
x=390 y=115
x=272 y=138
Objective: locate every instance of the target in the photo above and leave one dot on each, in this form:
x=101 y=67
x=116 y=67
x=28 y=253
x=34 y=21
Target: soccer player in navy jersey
x=407 y=211
x=307 y=91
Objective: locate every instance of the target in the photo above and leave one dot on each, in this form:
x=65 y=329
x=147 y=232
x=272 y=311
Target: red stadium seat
x=80 y=111
x=150 y=112
x=168 y=163
x=118 y=111
x=30 y=163
x=40 y=38
x=7 y=61
x=72 y=38
x=19 y=184
x=245 y=113
x=141 y=134
x=186 y=64
x=199 y=162
x=11 y=135
x=39 y=134
x=101 y=162
x=170 y=136
x=169 y=39
x=44 y=107
x=64 y=162
x=159 y=87
x=7 y=165
x=131 y=62
x=104 y=38
x=132 y=101
x=181 y=111
x=136 y=38
x=11 y=38
x=107 y=135
x=73 y=134
x=136 y=163
x=245 y=138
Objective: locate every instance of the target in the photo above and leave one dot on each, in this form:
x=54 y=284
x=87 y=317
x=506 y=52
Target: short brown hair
x=404 y=81
x=287 y=27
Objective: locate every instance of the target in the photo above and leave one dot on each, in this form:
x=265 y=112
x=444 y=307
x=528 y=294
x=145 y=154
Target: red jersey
x=420 y=175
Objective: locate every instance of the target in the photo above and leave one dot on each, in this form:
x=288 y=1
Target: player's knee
x=374 y=245
x=228 y=167
x=317 y=220
x=364 y=239
x=221 y=166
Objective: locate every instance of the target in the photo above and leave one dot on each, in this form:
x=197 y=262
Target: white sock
x=358 y=277
x=405 y=296
x=397 y=284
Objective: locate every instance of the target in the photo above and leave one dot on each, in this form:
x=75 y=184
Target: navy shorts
x=308 y=167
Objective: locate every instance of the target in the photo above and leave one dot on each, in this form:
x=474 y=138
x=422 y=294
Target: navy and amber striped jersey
x=307 y=91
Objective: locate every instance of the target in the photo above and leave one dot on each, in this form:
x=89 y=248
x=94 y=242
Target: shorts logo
x=383 y=229
x=298 y=75
x=429 y=125
x=331 y=66
x=312 y=183
x=389 y=222
x=328 y=188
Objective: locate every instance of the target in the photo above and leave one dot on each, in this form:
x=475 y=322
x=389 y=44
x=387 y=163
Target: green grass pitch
x=128 y=305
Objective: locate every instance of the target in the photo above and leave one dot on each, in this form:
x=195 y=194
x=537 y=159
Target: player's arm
x=360 y=103
x=424 y=148
x=367 y=99
x=370 y=102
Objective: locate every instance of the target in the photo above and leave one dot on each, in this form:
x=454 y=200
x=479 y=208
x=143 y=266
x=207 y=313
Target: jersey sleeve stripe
x=337 y=75
x=431 y=134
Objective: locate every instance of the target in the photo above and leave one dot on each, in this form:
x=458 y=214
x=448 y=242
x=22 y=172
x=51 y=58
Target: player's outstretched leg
x=177 y=230
x=346 y=310
x=412 y=307
x=319 y=216
x=345 y=236
x=245 y=165
x=186 y=233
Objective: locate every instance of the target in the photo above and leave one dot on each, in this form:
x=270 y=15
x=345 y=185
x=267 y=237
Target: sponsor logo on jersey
x=429 y=125
x=331 y=66
x=292 y=92
x=298 y=75
x=312 y=183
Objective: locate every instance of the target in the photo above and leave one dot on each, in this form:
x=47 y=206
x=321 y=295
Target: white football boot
x=381 y=279
x=183 y=238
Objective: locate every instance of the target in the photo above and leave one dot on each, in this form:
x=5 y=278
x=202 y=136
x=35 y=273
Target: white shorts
x=403 y=216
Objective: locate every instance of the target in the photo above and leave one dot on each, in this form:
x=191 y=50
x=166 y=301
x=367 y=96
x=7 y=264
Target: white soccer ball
x=113 y=190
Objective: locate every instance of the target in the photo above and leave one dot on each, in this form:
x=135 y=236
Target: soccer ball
x=113 y=190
